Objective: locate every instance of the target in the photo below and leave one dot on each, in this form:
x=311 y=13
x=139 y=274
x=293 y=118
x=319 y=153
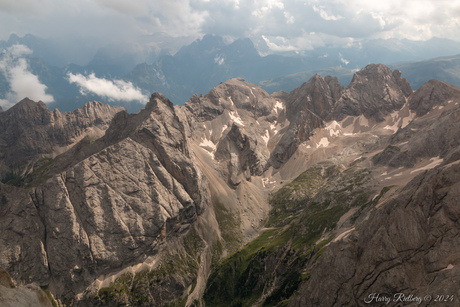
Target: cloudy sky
x=82 y=26
x=284 y=25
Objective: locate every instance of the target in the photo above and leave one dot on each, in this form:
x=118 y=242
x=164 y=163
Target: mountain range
x=322 y=196
x=159 y=64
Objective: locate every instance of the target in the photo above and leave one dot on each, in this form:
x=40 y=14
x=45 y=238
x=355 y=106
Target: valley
x=316 y=197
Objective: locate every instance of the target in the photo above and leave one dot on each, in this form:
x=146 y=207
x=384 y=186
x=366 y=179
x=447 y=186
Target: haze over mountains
x=238 y=196
x=125 y=75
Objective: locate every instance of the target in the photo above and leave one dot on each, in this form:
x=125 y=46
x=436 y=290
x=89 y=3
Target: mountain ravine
x=324 y=196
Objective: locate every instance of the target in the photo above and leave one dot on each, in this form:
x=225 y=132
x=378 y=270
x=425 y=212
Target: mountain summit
x=237 y=196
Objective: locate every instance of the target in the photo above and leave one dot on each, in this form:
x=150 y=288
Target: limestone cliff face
x=154 y=208
x=30 y=132
x=237 y=123
x=375 y=91
x=110 y=206
x=433 y=134
x=431 y=94
x=408 y=245
x=374 y=214
x=307 y=108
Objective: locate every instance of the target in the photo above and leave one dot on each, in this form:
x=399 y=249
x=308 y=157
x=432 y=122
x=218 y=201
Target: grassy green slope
x=305 y=215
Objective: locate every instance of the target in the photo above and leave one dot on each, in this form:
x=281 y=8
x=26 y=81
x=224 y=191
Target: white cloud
x=22 y=83
x=264 y=7
x=321 y=10
x=333 y=20
x=111 y=89
x=343 y=60
x=281 y=44
x=289 y=18
x=411 y=19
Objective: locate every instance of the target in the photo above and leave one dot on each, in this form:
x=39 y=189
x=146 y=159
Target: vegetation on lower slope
x=164 y=285
x=229 y=226
x=30 y=175
x=269 y=270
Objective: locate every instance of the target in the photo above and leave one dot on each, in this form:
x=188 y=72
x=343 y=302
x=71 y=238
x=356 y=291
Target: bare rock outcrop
x=138 y=209
x=408 y=246
x=104 y=205
x=236 y=123
x=30 y=132
x=240 y=149
x=431 y=94
x=307 y=108
x=432 y=133
x=375 y=91
x=26 y=296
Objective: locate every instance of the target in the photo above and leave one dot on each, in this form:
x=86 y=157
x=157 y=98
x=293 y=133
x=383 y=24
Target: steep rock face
x=431 y=94
x=270 y=269
x=323 y=211
x=409 y=245
x=105 y=208
x=141 y=215
x=240 y=148
x=234 y=94
x=307 y=108
x=432 y=134
x=375 y=91
x=12 y=296
x=30 y=131
x=335 y=87
x=236 y=123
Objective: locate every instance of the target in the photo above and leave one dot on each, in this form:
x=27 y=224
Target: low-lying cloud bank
x=22 y=82
x=113 y=90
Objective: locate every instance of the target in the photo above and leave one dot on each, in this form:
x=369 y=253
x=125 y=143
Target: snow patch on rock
x=266 y=137
x=334 y=128
x=394 y=127
x=209 y=146
x=279 y=107
x=324 y=142
x=236 y=118
x=434 y=162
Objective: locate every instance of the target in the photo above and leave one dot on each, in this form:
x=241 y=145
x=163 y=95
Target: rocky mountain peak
x=431 y=94
x=314 y=96
x=307 y=108
x=375 y=91
x=232 y=95
x=154 y=201
x=28 y=108
x=207 y=45
x=96 y=109
x=335 y=86
x=30 y=131
x=157 y=115
x=134 y=186
x=158 y=101
x=237 y=93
